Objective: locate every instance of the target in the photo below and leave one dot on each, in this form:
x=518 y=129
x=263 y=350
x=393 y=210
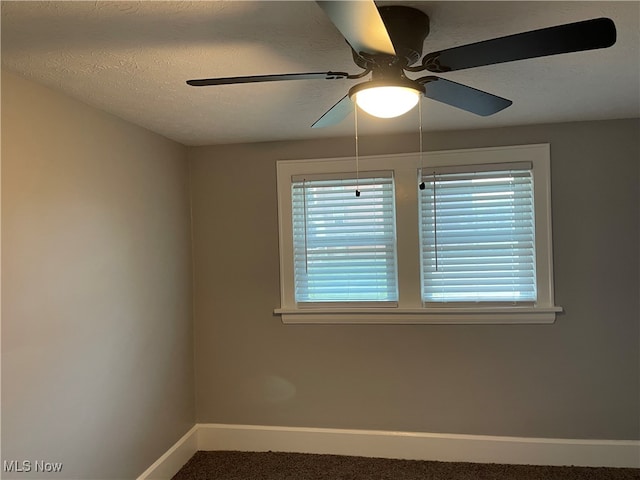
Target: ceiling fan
x=387 y=42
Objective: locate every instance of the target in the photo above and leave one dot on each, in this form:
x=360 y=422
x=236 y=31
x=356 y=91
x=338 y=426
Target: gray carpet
x=223 y=465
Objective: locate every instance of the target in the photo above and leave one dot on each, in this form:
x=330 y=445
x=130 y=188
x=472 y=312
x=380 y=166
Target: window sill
x=440 y=315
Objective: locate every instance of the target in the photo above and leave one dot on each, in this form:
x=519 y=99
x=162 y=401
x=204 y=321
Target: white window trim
x=409 y=308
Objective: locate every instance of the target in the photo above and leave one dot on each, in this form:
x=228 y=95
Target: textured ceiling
x=132 y=59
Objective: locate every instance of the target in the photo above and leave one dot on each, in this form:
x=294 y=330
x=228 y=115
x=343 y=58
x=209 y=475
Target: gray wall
x=97 y=348
x=577 y=378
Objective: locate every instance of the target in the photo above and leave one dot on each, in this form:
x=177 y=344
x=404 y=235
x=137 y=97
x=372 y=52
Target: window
x=472 y=246
x=344 y=246
x=477 y=234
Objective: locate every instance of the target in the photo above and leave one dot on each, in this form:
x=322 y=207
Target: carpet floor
x=226 y=465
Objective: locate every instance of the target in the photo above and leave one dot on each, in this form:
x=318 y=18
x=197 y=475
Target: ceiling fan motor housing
x=407 y=28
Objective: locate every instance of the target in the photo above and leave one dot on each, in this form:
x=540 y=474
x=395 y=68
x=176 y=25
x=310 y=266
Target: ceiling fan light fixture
x=386 y=100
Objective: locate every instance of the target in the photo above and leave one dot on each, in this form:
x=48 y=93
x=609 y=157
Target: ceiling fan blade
x=268 y=78
x=572 y=37
x=335 y=114
x=360 y=24
x=462 y=96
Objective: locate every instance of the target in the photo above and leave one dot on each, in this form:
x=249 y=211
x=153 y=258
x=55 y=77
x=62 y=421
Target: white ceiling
x=132 y=59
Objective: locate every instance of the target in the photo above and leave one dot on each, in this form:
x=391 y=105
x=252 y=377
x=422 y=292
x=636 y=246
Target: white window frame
x=410 y=308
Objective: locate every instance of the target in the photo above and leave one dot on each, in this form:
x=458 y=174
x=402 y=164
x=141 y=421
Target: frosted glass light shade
x=387 y=101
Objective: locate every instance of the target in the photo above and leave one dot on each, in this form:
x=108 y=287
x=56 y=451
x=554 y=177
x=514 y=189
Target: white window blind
x=344 y=246
x=478 y=234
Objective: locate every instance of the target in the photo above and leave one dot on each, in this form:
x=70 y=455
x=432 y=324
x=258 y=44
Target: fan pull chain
x=304 y=208
x=355 y=107
x=422 y=185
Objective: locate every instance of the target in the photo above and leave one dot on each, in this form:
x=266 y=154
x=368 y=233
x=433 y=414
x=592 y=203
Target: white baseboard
x=173 y=459
x=405 y=445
